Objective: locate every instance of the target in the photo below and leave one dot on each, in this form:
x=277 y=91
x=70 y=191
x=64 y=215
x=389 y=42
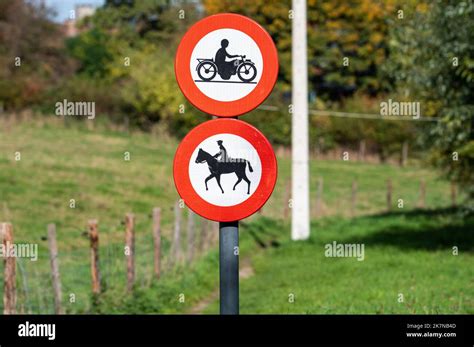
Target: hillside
x=63 y=161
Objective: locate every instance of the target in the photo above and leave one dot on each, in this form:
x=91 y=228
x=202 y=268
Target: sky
x=62 y=7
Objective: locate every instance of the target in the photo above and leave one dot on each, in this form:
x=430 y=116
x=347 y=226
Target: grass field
x=60 y=162
x=409 y=254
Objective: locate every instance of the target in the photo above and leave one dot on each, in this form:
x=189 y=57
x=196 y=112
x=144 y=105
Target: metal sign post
x=229 y=267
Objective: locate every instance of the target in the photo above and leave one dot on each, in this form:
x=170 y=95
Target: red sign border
x=257 y=95
x=225 y=213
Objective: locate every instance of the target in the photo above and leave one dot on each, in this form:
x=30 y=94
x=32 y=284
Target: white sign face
x=225 y=170
x=218 y=68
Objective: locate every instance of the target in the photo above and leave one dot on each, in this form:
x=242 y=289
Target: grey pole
x=300 y=228
x=229 y=267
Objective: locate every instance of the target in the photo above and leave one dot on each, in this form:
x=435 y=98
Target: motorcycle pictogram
x=245 y=69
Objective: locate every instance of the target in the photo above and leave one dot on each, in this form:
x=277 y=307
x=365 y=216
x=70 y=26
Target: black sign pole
x=229 y=267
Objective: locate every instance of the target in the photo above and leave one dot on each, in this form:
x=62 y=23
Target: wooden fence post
x=389 y=194
x=286 y=206
x=130 y=249
x=214 y=233
x=95 y=273
x=421 y=202
x=320 y=147
x=361 y=150
x=453 y=194
x=191 y=236
x=404 y=158
x=9 y=286
x=319 y=198
x=176 y=251
x=53 y=256
x=353 y=198
x=157 y=240
x=204 y=239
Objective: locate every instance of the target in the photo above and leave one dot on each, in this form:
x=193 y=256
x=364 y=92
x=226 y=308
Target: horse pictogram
x=225 y=165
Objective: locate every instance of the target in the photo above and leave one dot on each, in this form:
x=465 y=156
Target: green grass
x=62 y=161
x=409 y=254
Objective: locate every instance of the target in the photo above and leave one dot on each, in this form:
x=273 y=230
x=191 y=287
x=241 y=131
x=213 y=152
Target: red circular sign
x=232 y=184
x=218 y=86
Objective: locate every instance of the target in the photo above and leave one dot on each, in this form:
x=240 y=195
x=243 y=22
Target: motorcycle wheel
x=207 y=71
x=247 y=72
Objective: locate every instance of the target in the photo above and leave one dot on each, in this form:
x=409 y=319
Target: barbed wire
x=354 y=115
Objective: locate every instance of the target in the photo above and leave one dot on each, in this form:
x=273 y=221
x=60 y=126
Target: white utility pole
x=300 y=226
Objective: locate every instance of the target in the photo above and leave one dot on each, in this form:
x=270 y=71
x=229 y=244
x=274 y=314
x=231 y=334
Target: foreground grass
x=61 y=161
x=182 y=287
x=409 y=254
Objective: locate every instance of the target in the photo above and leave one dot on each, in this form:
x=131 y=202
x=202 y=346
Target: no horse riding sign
x=225 y=169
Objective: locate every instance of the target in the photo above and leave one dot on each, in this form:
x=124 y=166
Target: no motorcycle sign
x=226 y=65
x=225 y=170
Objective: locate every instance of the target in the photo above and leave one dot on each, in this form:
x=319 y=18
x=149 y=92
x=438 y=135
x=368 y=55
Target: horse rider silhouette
x=217 y=168
x=222 y=155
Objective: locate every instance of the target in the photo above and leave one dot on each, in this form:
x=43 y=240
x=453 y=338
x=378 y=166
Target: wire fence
x=33 y=280
x=331 y=113
x=185 y=241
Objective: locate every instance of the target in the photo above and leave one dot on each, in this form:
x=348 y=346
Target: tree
x=347 y=43
x=433 y=61
x=152 y=92
x=346 y=40
x=128 y=46
x=93 y=50
x=32 y=56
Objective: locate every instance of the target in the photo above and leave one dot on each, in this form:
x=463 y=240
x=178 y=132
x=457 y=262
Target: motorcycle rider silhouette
x=225 y=68
x=245 y=69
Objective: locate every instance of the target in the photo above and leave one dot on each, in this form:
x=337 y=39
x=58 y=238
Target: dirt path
x=245 y=271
